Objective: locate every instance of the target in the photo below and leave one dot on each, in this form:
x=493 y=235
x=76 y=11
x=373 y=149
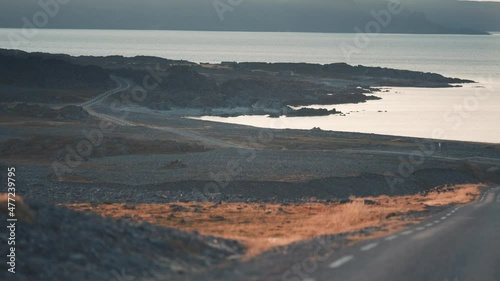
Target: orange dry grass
x=261 y=227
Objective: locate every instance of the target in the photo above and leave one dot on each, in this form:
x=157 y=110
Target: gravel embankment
x=66 y=245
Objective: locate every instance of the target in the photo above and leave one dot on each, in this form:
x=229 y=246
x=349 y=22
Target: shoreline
x=388 y=107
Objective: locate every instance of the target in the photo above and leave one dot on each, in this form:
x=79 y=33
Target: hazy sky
x=258 y=15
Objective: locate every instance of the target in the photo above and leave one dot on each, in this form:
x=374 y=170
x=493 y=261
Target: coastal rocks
x=262 y=107
x=311 y=112
x=269 y=95
x=261 y=88
x=273 y=109
x=270 y=107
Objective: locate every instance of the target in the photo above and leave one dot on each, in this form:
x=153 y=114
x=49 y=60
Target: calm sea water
x=475 y=109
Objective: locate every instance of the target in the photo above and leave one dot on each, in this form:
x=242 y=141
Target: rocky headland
x=225 y=89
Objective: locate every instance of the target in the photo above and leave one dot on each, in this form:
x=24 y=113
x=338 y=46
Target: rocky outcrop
x=182 y=86
x=269 y=92
x=311 y=112
x=227 y=89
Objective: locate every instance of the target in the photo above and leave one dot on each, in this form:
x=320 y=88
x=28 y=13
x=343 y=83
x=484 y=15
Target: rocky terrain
x=60 y=244
x=55 y=147
x=157 y=157
x=27 y=70
x=247 y=88
x=70 y=112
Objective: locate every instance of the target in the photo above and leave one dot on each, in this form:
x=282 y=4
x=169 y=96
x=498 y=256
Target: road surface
x=476 y=159
x=460 y=244
x=123 y=85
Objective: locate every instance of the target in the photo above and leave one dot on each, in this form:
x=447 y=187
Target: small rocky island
x=303 y=112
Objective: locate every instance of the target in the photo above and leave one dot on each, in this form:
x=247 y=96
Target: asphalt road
x=460 y=244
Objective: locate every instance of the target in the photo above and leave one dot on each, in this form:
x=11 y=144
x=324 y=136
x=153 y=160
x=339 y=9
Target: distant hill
x=343 y=16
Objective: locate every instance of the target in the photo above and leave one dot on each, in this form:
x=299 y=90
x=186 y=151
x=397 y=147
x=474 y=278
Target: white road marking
x=392 y=237
x=407 y=232
x=369 y=247
x=340 y=262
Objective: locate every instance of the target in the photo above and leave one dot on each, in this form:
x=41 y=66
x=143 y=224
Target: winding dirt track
x=124 y=85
